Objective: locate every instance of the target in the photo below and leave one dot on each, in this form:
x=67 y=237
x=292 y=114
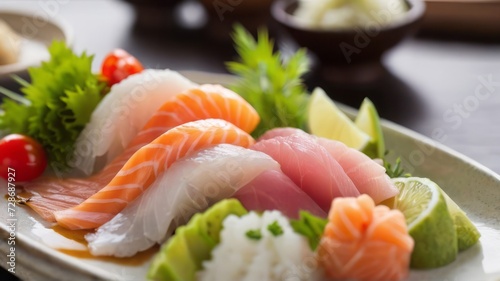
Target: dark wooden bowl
x=348 y=47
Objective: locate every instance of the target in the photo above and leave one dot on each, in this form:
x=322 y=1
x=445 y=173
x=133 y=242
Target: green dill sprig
x=396 y=170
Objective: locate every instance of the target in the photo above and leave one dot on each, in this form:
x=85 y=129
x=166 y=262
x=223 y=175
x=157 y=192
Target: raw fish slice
x=202 y=102
x=122 y=113
x=49 y=194
x=368 y=176
x=273 y=190
x=207 y=101
x=365 y=242
x=142 y=169
x=190 y=185
x=282 y=132
x=310 y=166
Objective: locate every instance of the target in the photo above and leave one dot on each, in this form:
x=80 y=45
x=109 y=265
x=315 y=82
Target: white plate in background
x=37 y=32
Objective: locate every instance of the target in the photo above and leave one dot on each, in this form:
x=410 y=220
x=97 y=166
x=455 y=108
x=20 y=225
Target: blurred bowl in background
x=36 y=36
x=347 y=52
x=154 y=14
x=236 y=7
x=223 y=14
x=463 y=19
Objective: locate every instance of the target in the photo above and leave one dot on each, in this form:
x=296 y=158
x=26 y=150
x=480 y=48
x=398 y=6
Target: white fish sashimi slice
x=121 y=115
x=190 y=185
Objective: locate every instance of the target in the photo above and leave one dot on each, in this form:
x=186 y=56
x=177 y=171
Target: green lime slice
x=429 y=221
x=368 y=121
x=467 y=233
x=326 y=120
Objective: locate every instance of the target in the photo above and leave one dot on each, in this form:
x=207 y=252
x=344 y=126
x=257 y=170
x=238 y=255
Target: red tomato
x=118 y=65
x=22 y=155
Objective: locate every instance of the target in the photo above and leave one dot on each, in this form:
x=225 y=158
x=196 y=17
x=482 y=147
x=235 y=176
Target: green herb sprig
x=270 y=84
x=396 y=170
x=275 y=229
x=310 y=226
x=57 y=103
x=254 y=234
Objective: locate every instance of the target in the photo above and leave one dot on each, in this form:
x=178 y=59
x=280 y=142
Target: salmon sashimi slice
x=143 y=168
x=50 y=194
x=273 y=190
x=121 y=115
x=365 y=242
x=310 y=167
x=205 y=101
x=368 y=176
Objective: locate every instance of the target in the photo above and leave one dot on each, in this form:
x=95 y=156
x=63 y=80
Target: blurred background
x=436 y=71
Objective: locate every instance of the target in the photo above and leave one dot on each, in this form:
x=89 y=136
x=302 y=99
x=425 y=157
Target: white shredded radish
x=272 y=257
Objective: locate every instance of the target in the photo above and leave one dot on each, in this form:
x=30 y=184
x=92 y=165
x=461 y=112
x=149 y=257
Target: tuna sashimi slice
x=189 y=186
x=368 y=176
x=309 y=166
x=273 y=190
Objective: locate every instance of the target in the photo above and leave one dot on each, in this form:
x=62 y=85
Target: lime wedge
x=429 y=222
x=368 y=121
x=326 y=120
x=467 y=233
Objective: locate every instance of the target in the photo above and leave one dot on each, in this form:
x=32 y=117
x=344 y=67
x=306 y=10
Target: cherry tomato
x=23 y=155
x=118 y=65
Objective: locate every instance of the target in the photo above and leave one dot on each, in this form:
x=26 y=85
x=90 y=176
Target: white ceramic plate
x=475 y=188
x=37 y=33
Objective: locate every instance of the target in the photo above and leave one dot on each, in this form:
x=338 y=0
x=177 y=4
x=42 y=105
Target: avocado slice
x=182 y=255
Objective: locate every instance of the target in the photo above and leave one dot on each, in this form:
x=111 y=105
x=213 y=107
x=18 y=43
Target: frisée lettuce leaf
x=57 y=103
